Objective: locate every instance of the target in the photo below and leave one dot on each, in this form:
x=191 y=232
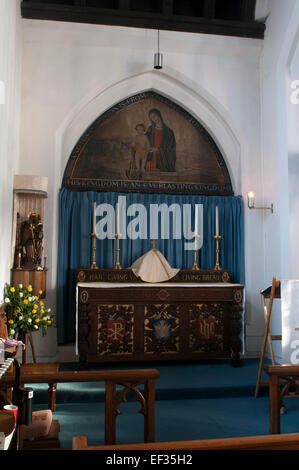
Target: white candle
x=217 y=222
x=117 y=218
x=250 y=199
x=94 y=217
x=196 y=220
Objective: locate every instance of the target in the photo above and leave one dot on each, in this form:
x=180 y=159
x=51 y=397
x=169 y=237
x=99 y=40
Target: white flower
x=29 y=320
x=21 y=286
x=30 y=299
x=20 y=317
x=49 y=310
x=11 y=332
x=35 y=326
x=21 y=294
x=6 y=300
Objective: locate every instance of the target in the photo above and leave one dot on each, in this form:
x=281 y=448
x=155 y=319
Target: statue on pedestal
x=30 y=245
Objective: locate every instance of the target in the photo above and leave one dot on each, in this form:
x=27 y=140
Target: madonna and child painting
x=148 y=139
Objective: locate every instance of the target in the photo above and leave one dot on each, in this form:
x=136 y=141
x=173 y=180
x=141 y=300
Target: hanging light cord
x=158 y=40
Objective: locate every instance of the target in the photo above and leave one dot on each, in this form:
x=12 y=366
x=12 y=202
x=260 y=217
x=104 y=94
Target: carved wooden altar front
x=121 y=319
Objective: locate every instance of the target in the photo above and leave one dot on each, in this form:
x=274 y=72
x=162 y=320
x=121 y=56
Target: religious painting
x=147 y=143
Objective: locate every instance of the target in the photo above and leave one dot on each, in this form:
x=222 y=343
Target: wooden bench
x=128 y=379
x=268 y=442
x=277 y=373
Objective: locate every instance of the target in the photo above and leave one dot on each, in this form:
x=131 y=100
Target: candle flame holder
x=117 y=264
x=217 y=265
x=195 y=266
x=94 y=239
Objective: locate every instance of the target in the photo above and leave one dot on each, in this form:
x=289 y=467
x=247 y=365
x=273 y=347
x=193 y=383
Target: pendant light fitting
x=158 y=57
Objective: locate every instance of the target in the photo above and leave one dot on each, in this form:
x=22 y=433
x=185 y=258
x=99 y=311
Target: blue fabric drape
x=74 y=245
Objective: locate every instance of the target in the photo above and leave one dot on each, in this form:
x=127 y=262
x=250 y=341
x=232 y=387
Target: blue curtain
x=75 y=247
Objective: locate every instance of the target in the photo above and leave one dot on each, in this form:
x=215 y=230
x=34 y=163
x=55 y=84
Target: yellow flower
x=18 y=310
x=37 y=320
x=29 y=289
x=35 y=306
x=25 y=301
x=42 y=311
x=41 y=302
x=33 y=311
x=36 y=298
x=49 y=322
x=40 y=292
x=12 y=289
x=10 y=322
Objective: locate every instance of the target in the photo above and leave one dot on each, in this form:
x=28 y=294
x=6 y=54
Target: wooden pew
x=128 y=379
x=268 y=442
x=278 y=373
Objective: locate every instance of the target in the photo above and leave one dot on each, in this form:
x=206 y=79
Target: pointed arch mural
x=147 y=143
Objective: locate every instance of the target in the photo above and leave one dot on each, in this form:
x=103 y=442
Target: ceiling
x=222 y=17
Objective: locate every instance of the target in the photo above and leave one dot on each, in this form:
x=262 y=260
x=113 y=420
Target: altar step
x=178 y=381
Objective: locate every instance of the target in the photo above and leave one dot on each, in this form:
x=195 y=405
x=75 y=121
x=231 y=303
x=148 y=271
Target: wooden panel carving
x=136 y=323
x=161 y=332
x=115 y=329
x=207 y=327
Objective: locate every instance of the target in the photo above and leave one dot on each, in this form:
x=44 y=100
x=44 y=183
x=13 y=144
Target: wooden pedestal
x=36 y=278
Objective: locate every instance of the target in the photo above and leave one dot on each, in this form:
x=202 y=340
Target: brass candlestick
x=195 y=266
x=117 y=264
x=94 y=239
x=217 y=265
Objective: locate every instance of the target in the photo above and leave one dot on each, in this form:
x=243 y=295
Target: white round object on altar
x=153 y=267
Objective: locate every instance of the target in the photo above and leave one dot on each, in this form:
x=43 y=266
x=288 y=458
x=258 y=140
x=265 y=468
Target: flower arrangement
x=26 y=310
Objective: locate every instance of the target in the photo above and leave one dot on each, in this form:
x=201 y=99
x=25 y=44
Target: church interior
x=148 y=276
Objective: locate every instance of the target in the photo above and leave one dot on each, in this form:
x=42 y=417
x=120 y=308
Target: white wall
x=278 y=136
x=10 y=75
x=73 y=72
x=292 y=81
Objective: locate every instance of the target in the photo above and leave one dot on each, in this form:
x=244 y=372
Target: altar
x=195 y=316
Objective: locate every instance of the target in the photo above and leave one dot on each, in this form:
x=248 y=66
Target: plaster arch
x=192 y=97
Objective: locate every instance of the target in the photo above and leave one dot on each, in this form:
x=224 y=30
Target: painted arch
x=147 y=143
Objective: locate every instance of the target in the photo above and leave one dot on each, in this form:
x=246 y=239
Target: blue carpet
x=177 y=382
x=193 y=401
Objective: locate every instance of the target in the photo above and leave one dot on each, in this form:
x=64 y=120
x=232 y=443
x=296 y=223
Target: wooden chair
x=288 y=385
